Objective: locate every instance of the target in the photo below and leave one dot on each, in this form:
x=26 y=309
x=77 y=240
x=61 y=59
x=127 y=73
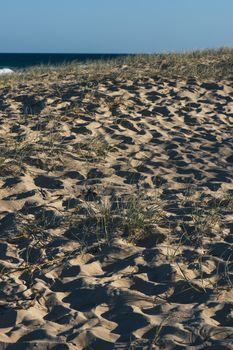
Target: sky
x=114 y=26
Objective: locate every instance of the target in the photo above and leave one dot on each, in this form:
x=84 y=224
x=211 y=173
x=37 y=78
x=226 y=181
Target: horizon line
x=120 y=53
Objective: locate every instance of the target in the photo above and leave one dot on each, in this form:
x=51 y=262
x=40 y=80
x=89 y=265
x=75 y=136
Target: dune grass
x=211 y=64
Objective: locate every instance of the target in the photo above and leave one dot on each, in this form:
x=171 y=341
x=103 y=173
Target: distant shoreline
x=26 y=60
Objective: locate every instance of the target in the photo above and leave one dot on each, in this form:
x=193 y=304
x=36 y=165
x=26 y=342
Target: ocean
x=16 y=61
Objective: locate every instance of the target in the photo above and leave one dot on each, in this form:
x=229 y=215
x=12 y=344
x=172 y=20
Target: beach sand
x=116 y=206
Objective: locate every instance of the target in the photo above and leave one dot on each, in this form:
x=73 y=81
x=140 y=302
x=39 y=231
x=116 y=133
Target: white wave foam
x=6 y=71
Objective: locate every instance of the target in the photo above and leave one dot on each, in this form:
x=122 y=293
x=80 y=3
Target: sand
x=68 y=148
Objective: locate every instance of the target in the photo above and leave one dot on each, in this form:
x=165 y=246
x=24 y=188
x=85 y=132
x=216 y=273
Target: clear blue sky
x=114 y=26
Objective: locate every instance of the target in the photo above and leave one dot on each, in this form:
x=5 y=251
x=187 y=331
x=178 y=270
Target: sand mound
x=116 y=215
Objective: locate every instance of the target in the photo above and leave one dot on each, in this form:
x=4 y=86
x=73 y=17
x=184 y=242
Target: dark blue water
x=25 y=60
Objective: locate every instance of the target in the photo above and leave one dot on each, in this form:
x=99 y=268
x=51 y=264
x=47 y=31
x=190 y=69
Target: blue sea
x=16 y=61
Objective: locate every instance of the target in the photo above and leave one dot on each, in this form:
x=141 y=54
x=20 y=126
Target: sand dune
x=69 y=279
